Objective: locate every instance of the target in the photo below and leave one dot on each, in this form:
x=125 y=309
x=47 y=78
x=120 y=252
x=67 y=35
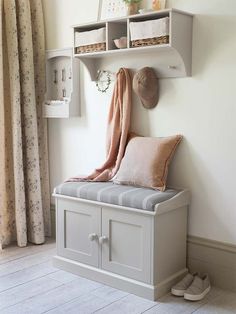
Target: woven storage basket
x=149 y=33
x=150 y=41
x=91 y=48
x=90 y=41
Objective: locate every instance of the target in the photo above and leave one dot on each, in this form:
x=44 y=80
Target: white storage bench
x=133 y=239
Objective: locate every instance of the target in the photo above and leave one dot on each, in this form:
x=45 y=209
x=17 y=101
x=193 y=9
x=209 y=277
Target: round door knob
x=92 y=236
x=103 y=239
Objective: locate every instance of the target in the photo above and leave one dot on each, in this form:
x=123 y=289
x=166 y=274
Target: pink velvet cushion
x=146 y=161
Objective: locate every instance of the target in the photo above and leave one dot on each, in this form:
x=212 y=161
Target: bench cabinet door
x=126 y=244
x=78 y=230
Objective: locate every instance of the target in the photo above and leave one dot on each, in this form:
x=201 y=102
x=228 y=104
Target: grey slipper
x=180 y=288
x=198 y=289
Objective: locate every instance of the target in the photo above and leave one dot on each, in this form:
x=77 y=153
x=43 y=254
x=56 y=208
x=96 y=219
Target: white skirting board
x=116 y=281
x=218 y=259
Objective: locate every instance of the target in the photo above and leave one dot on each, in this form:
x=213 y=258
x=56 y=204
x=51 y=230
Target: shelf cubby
x=115 y=30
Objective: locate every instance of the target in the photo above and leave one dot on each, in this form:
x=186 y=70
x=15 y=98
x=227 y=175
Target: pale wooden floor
x=30 y=284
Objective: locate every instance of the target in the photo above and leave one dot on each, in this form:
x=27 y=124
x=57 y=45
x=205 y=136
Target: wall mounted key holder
x=62 y=84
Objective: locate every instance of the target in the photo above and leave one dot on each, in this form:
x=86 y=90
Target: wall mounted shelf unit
x=173 y=59
x=62 y=84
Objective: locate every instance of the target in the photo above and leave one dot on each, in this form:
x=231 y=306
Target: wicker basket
x=90 y=41
x=150 y=32
x=150 y=41
x=91 y=48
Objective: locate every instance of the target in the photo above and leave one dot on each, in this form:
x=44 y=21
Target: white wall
x=201 y=107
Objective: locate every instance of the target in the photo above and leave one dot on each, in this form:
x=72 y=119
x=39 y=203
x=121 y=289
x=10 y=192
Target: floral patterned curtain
x=24 y=183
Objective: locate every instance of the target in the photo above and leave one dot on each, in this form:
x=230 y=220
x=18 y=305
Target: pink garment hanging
x=117 y=129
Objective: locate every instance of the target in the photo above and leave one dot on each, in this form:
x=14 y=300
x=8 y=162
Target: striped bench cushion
x=123 y=195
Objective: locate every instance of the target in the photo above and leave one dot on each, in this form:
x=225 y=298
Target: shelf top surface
x=54 y=53
x=132 y=17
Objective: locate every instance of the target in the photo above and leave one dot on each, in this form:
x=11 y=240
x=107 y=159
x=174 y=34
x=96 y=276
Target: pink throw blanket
x=117 y=130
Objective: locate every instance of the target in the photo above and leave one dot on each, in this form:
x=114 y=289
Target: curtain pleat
x=39 y=73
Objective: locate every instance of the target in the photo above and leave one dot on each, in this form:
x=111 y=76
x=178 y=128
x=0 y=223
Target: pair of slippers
x=192 y=287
